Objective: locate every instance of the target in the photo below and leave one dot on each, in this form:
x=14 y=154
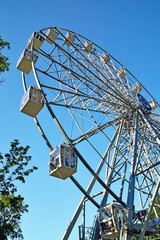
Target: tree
x=13 y=169
x=4 y=65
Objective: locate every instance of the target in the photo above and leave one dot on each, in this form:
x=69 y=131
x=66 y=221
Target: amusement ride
x=98 y=106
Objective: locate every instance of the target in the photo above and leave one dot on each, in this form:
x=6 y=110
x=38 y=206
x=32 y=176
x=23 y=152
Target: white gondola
x=62 y=162
x=32 y=102
x=105 y=58
x=136 y=87
x=121 y=72
x=88 y=46
x=69 y=38
x=51 y=36
x=111 y=220
x=24 y=63
x=153 y=104
x=38 y=41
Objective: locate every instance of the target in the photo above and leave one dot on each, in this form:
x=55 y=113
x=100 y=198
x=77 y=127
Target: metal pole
x=83 y=222
x=130 y=200
x=79 y=227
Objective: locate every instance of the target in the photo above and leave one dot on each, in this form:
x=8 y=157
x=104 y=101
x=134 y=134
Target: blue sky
x=129 y=30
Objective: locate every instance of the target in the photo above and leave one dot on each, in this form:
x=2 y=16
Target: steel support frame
x=108 y=178
x=131 y=187
x=90 y=186
x=110 y=174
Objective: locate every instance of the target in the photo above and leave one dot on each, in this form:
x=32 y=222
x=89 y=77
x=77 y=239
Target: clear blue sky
x=129 y=30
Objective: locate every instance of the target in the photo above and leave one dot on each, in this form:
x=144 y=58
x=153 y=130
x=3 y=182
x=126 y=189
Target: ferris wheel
x=110 y=123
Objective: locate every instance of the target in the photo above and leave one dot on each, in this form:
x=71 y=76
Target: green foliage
x=13 y=169
x=153 y=216
x=157 y=206
x=4 y=65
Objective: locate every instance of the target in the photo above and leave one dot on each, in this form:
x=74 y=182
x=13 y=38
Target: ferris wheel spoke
x=102 y=76
x=76 y=107
x=110 y=80
x=81 y=77
x=95 y=131
x=94 y=62
x=79 y=94
x=115 y=93
x=93 y=119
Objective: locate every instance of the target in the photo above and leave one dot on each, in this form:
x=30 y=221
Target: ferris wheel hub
x=144 y=102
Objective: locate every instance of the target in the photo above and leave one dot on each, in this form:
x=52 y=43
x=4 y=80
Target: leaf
x=35 y=168
x=2 y=177
x=20 y=178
